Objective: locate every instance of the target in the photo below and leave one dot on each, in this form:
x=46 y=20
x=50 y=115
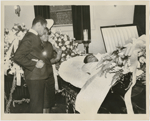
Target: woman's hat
x=50 y=23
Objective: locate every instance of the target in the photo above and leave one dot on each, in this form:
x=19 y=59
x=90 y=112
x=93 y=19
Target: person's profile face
x=91 y=58
x=44 y=37
x=41 y=28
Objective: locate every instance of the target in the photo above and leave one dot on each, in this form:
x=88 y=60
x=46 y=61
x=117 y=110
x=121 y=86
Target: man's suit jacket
x=31 y=48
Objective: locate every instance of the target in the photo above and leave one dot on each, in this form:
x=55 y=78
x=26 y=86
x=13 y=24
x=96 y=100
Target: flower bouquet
x=142 y=65
x=66 y=44
x=11 y=42
x=116 y=62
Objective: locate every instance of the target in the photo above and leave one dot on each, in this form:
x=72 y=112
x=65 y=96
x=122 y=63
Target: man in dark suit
x=30 y=57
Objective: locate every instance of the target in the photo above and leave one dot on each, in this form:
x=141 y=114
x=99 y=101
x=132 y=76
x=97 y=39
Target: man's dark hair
x=86 y=58
x=39 y=19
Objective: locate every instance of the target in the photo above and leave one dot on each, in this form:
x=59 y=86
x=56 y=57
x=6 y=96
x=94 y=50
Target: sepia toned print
x=75 y=60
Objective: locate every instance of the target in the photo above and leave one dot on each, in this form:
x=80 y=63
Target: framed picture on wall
x=62 y=15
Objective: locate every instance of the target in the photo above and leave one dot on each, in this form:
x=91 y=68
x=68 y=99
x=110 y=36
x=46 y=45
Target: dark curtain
x=43 y=11
x=81 y=21
x=140 y=18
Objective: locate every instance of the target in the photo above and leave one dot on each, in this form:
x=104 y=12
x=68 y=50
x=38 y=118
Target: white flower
x=63 y=55
x=56 y=45
x=113 y=64
x=117 y=68
x=68 y=57
x=10 y=72
x=140 y=53
x=63 y=48
x=106 y=62
x=13 y=69
x=59 y=40
x=60 y=44
x=112 y=56
x=65 y=35
x=139 y=72
x=55 y=38
x=71 y=47
x=120 y=61
x=74 y=51
x=62 y=37
x=75 y=44
x=121 y=54
x=20 y=33
x=25 y=32
x=67 y=43
x=13 y=31
x=128 y=63
x=72 y=54
x=142 y=59
x=65 y=38
x=68 y=46
x=57 y=35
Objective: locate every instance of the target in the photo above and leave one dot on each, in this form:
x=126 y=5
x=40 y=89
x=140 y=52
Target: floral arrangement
x=116 y=62
x=142 y=65
x=66 y=44
x=17 y=32
x=142 y=59
x=11 y=41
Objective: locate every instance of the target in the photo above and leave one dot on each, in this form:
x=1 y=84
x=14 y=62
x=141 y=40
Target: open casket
x=72 y=79
x=114 y=99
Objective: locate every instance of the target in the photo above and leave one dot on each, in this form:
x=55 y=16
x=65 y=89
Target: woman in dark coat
x=48 y=49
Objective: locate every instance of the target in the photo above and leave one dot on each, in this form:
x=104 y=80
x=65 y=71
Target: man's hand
x=39 y=64
x=58 y=56
x=59 y=52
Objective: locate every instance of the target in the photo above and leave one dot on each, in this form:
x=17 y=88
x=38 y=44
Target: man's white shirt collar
x=33 y=31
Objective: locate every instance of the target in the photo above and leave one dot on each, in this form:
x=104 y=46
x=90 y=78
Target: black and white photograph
x=76 y=58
